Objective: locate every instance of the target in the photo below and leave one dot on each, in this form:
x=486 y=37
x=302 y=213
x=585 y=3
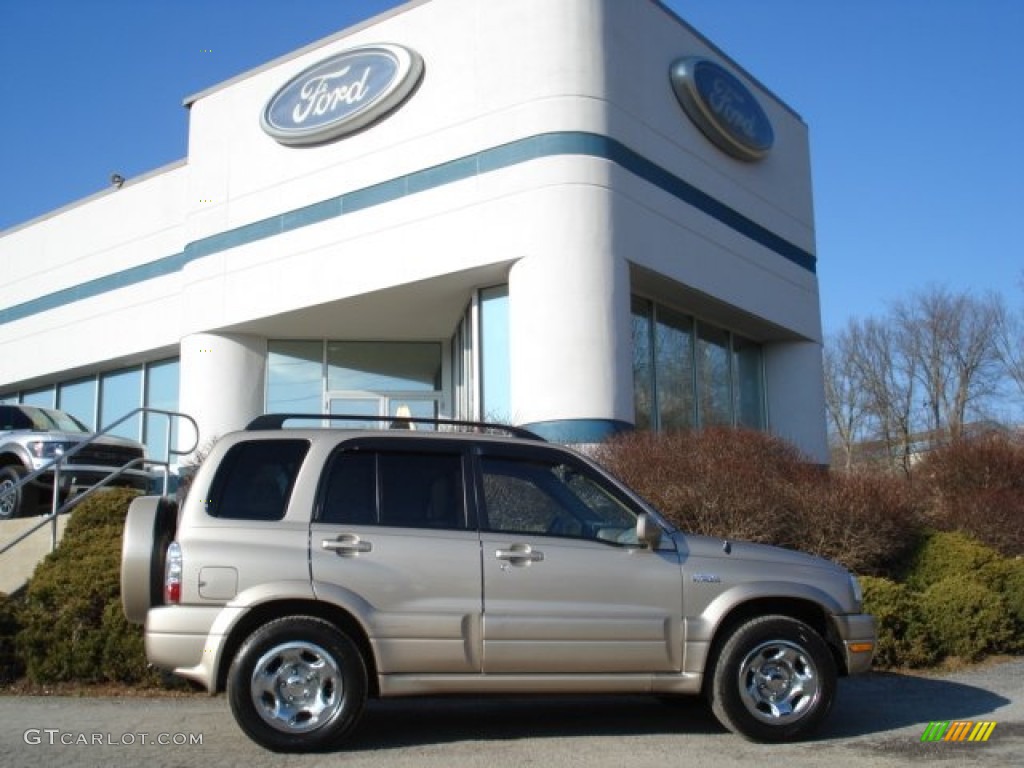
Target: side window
x=395 y=488
x=553 y=498
x=13 y=418
x=255 y=479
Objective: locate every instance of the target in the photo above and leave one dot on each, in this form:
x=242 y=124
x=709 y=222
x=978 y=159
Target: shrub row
x=68 y=625
x=959 y=598
x=749 y=485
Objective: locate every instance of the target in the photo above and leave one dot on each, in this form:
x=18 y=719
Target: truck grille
x=105 y=455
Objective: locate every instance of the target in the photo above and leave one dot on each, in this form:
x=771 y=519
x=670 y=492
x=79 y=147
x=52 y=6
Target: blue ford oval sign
x=341 y=94
x=722 y=107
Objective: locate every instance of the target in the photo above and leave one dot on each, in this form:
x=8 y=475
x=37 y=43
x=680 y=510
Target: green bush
x=72 y=627
x=942 y=555
x=10 y=663
x=902 y=637
x=966 y=618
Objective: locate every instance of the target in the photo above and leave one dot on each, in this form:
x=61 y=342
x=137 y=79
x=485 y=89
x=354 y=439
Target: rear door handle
x=347 y=545
x=519 y=554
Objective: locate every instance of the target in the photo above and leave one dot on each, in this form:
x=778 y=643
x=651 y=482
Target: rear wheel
x=775 y=680
x=297 y=684
x=15 y=502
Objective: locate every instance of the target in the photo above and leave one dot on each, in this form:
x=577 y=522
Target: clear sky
x=915 y=109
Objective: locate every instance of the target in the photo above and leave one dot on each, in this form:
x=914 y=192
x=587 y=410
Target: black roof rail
x=277 y=420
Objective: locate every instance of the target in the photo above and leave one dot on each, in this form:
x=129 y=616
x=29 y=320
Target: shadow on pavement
x=887 y=701
x=400 y=723
x=866 y=706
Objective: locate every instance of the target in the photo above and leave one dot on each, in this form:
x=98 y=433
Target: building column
x=569 y=323
x=796 y=396
x=222 y=382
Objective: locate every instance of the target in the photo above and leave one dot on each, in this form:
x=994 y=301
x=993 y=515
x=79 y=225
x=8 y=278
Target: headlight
x=45 y=449
x=858 y=593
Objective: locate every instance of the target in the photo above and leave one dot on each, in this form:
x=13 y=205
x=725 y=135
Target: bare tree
x=845 y=402
x=1009 y=342
x=885 y=369
x=952 y=337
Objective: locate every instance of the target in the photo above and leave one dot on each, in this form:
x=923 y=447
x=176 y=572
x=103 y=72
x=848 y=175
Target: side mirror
x=648 y=532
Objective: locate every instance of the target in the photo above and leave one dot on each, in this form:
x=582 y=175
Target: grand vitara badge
x=342 y=94
x=722 y=107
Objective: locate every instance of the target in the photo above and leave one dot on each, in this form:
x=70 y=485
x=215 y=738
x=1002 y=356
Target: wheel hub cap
x=297 y=687
x=779 y=682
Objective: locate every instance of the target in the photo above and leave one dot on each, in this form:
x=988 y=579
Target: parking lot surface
x=878 y=721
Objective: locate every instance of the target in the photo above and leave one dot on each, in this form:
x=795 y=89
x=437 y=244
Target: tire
x=297 y=684
x=18 y=502
x=775 y=680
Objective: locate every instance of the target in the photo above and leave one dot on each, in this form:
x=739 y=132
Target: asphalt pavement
x=878 y=721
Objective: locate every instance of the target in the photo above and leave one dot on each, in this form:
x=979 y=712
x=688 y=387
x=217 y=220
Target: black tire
x=297 y=684
x=775 y=680
x=18 y=502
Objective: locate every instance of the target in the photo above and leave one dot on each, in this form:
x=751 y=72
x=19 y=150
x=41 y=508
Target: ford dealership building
x=573 y=215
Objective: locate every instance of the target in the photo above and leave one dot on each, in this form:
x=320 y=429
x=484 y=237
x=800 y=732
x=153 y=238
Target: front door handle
x=519 y=554
x=347 y=545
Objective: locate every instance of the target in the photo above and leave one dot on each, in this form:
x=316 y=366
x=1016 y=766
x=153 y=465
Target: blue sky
x=915 y=109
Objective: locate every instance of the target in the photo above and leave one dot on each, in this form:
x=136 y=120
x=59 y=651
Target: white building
x=575 y=215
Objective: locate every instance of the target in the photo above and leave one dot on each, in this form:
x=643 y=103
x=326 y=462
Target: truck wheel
x=775 y=680
x=15 y=502
x=148 y=528
x=297 y=684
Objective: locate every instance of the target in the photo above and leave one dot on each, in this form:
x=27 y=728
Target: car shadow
x=867 y=705
x=885 y=701
x=419 y=722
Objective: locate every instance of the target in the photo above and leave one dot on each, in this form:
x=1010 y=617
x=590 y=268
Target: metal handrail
x=57 y=509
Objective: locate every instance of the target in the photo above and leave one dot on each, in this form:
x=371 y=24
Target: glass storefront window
x=688 y=373
x=749 y=367
x=495 y=387
x=79 y=399
x=161 y=392
x=714 y=385
x=366 y=366
x=673 y=365
x=643 y=364
x=121 y=392
x=43 y=398
x=295 y=378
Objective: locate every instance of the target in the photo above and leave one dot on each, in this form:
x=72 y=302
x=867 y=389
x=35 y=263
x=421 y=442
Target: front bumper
x=859 y=640
x=79 y=477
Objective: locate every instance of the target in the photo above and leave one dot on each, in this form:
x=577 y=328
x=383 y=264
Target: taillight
x=172 y=574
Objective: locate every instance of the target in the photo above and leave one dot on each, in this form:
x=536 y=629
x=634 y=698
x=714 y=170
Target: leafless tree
x=844 y=399
x=952 y=337
x=885 y=369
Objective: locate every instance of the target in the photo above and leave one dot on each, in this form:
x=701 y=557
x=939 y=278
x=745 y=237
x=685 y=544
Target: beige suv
x=310 y=569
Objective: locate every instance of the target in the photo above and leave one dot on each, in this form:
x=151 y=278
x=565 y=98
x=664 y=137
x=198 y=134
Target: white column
x=569 y=322
x=796 y=396
x=222 y=382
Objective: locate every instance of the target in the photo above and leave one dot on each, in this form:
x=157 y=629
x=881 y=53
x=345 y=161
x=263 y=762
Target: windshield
x=48 y=420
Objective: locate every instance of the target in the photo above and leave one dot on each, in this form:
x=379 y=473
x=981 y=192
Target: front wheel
x=297 y=684
x=14 y=501
x=775 y=680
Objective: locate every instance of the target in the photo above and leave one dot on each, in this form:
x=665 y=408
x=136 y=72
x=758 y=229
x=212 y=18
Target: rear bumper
x=178 y=639
x=859 y=639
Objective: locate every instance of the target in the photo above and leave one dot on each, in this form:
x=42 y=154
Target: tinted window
x=13 y=418
x=554 y=498
x=400 y=489
x=254 y=481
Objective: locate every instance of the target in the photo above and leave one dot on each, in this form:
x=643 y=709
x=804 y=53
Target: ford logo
x=722 y=107
x=342 y=94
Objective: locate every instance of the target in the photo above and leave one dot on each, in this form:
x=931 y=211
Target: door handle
x=519 y=554
x=347 y=545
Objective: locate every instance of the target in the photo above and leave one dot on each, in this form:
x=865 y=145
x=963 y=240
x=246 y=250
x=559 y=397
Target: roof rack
x=277 y=420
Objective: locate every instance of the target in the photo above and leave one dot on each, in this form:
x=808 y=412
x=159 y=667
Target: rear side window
x=395 y=488
x=255 y=480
